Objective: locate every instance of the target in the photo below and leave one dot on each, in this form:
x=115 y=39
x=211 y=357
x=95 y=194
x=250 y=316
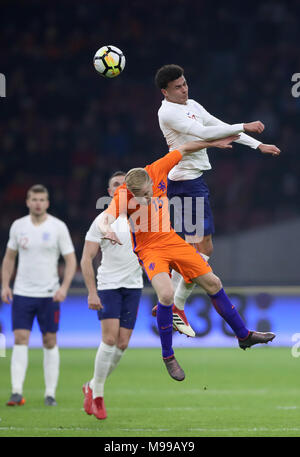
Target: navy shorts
x=25 y=309
x=190 y=216
x=120 y=304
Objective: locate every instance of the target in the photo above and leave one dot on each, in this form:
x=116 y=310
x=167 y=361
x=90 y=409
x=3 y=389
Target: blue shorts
x=194 y=215
x=24 y=310
x=120 y=304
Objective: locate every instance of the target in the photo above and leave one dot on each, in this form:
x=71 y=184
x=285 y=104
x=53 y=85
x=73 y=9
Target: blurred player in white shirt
x=119 y=284
x=182 y=119
x=38 y=239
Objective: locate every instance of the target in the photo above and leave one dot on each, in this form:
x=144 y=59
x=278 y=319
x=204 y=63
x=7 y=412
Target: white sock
x=103 y=361
x=115 y=359
x=182 y=293
x=176 y=277
x=51 y=370
x=18 y=367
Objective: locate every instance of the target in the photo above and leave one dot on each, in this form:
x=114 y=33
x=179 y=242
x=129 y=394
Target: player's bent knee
x=215 y=285
x=210 y=283
x=209 y=250
x=166 y=298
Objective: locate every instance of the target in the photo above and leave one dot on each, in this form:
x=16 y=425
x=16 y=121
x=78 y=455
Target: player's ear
x=164 y=92
x=109 y=191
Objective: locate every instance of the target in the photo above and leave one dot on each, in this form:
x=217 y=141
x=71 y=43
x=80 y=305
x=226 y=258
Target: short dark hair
x=116 y=173
x=166 y=74
x=38 y=189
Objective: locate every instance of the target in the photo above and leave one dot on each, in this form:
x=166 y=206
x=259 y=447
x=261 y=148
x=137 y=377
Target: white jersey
x=39 y=248
x=181 y=123
x=119 y=265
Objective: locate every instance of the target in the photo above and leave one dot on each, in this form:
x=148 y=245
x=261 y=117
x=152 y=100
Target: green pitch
x=227 y=392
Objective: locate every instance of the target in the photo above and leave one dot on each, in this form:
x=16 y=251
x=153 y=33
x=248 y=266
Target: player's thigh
x=192 y=211
x=111 y=300
x=48 y=314
x=110 y=331
x=205 y=246
x=163 y=287
x=187 y=261
x=209 y=282
x=23 y=313
x=130 y=304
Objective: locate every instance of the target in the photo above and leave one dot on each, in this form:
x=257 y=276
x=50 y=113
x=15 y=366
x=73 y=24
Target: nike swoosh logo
x=168 y=326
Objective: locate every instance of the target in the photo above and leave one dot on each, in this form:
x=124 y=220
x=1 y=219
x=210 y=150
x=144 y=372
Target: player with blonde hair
x=159 y=248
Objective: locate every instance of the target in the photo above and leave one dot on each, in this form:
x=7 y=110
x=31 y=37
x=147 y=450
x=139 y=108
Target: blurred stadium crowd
x=66 y=127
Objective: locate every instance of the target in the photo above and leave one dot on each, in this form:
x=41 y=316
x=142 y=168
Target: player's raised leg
x=221 y=302
x=162 y=285
x=183 y=289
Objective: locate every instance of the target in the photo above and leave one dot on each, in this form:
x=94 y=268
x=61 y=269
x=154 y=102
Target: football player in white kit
x=119 y=284
x=182 y=119
x=39 y=239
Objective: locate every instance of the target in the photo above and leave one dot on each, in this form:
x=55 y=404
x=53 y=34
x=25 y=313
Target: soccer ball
x=109 y=61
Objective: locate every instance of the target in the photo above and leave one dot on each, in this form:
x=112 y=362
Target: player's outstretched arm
x=254 y=127
x=104 y=224
x=90 y=250
x=247 y=140
x=8 y=265
x=193 y=146
x=269 y=149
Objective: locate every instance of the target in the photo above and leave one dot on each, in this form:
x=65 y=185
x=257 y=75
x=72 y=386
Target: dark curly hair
x=166 y=74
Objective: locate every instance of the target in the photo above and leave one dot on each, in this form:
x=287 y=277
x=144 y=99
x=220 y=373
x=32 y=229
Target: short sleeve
x=64 y=240
x=13 y=240
x=94 y=234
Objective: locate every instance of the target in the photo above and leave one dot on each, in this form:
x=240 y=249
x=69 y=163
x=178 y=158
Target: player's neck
x=38 y=219
x=175 y=102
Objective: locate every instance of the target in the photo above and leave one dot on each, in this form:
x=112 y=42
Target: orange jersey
x=149 y=224
x=154 y=241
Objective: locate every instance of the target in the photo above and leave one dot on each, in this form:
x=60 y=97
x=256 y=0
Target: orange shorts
x=173 y=253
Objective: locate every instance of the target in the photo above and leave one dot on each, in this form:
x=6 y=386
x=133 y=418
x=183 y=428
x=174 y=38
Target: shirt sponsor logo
x=46 y=236
x=152 y=266
x=191 y=116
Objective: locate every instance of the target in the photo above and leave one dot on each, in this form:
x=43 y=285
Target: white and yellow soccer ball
x=109 y=61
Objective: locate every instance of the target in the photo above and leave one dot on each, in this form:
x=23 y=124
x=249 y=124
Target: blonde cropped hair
x=136 y=179
x=37 y=189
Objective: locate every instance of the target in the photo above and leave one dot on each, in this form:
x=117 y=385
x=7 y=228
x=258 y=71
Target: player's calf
x=180 y=321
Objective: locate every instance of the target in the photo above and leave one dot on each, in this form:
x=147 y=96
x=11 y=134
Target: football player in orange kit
x=143 y=198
